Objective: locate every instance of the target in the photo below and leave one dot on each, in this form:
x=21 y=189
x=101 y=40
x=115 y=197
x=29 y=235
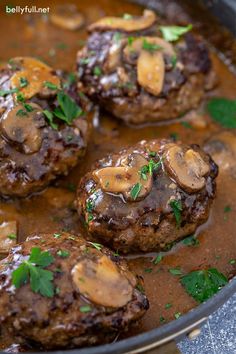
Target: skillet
x=185 y=324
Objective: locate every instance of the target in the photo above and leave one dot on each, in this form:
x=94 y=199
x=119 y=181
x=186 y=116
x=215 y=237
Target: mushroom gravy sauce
x=53 y=209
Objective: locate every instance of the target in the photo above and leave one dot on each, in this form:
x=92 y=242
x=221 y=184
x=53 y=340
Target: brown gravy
x=53 y=209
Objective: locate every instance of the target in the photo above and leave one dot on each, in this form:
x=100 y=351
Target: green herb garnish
x=97 y=71
x=32 y=271
x=191 y=241
x=149 y=169
x=49 y=116
x=98 y=246
x=12 y=236
x=68 y=109
x=85 y=308
x=173 y=33
x=8 y=92
x=175 y=271
x=21 y=113
x=168 y=306
x=50 y=85
x=203 y=284
x=223 y=111
x=177 y=315
x=117 y=37
x=56 y=235
x=150 y=47
x=176 y=207
x=23 y=82
x=157 y=259
x=127 y=17
x=136 y=189
x=63 y=253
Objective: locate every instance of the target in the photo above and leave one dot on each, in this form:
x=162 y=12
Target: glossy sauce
x=53 y=209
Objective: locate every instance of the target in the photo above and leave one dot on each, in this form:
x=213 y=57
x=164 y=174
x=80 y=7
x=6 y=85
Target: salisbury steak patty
x=69 y=293
x=135 y=73
x=43 y=128
x=148 y=196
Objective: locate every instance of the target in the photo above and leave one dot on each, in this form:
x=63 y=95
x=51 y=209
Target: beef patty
x=148 y=196
x=132 y=71
x=67 y=292
x=42 y=124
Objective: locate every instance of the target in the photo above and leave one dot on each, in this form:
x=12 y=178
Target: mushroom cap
x=131 y=24
x=67 y=17
x=187 y=167
x=150 y=64
x=122 y=178
x=23 y=130
x=36 y=73
x=100 y=280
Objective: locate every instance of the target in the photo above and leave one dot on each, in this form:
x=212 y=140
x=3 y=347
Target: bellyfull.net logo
x=26 y=9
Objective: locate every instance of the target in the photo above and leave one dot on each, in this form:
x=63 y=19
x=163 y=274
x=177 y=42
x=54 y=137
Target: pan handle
x=169 y=348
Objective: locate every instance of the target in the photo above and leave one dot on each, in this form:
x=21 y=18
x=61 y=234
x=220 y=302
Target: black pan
x=149 y=342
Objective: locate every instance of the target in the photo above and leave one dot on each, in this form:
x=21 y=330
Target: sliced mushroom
x=122 y=178
x=129 y=24
x=23 y=128
x=114 y=57
x=8 y=236
x=67 y=17
x=101 y=282
x=35 y=74
x=150 y=64
x=187 y=168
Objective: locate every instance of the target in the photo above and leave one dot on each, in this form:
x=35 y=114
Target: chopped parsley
x=173 y=33
x=168 y=306
x=203 y=284
x=63 y=253
x=227 y=210
x=12 y=236
x=67 y=110
x=148 y=270
x=223 y=111
x=32 y=271
x=232 y=261
x=175 y=271
x=186 y=125
x=84 y=61
x=157 y=259
x=127 y=17
x=135 y=191
x=174 y=60
x=23 y=82
x=191 y=241
x=97 y=71
x=98 y=246
x=162 y=319
x=85 y=308
x=176 y=207
x=130 y=40
x=177 y=315
x=149 y=169
x=50 y=85
x=21 y=113
x=56 y=235
x=150 y=47
x=8 y=92
x=117 y=37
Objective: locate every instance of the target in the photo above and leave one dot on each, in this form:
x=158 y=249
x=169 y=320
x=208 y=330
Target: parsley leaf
x=175 y=271
x=176 y=207
x=23 y=82
x=8 y=92
x=32 y=271
x=98 y=246
x=223 y=111
x=203 y=284
x=150 y=47
x=68 y=109
x=136 y=189
x=49 y=116
x=191 y=241
x=173 y=33
x=97 y=71
x=150 y=168
x=50 y=85
x=63 y=253
x=85 y=308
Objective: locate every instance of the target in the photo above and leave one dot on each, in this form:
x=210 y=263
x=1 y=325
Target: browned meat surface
x=132 y=72
x=148 y=196
x=36 y=147
x=93 y=297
